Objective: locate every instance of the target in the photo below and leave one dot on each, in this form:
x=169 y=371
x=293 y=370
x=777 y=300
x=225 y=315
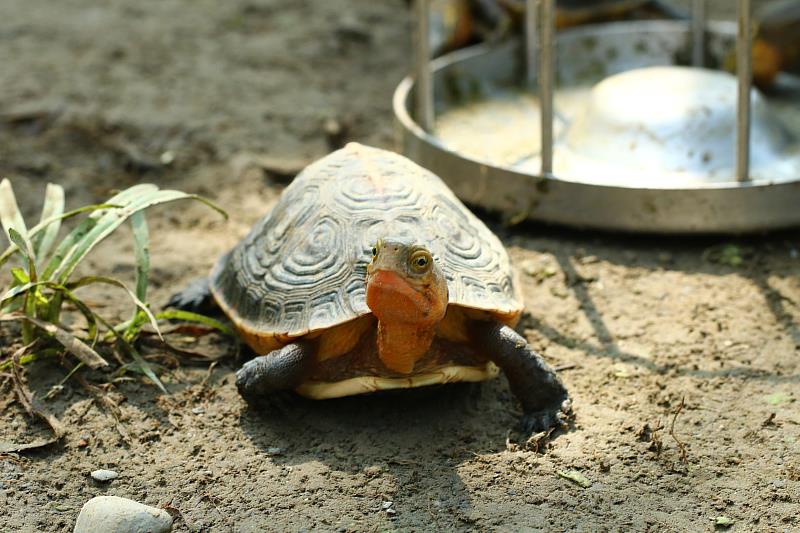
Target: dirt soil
x=682 y=363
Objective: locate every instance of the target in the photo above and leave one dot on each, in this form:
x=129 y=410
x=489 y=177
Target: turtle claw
x=545 y=401
x=280 y=370
x=196 y=297
x=546 y=419
x=248 y=376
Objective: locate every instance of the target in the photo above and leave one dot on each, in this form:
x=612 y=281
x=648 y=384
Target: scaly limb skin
x=545 y=401
x=279 y=370
x=195 y=297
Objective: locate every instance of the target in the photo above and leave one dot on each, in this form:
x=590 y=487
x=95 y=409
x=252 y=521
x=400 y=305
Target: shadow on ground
x=400 y=433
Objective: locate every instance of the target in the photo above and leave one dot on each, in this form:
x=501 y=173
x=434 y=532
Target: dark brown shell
x=302 y=267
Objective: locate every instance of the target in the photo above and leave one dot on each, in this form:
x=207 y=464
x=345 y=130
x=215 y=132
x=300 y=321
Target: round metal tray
x=484 y=141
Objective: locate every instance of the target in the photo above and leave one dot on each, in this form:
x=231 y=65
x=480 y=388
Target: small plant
x=730 y=255
x=45 y=282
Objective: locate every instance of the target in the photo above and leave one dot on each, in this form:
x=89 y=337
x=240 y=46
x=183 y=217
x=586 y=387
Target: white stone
x=104 y=475
x=112 y=514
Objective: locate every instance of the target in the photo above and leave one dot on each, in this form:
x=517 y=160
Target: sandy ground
x=93 y=94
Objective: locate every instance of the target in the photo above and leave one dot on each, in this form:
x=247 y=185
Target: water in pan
x=632 y=129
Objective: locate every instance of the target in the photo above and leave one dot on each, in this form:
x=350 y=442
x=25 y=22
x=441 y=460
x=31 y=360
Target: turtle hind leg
x=279 y=370
x=545 y=401
x=195 y=297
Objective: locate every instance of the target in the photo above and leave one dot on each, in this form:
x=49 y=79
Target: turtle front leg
x=282 y=369
x=195 y=297
x=545 y=401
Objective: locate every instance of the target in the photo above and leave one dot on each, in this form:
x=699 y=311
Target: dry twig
x=33 y=407
x=681 y=446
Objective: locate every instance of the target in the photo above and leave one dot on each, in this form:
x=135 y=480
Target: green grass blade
x=141 y=238
x=30 y=287
x=72 y=241
x=210 y=204
x=53 y=208
x=9 y=301
x=10 y=215
x=20 y=276
x=11 y=250
x=76 y=248
x=67 y=247
x=24 y=246
x=141 y=247
x=88 y=314
x=144 y=365
x=188 y=316
x=88 y=280
x=16 y=291
x=29 y=301
x=131 y=351
x=124 y=197
x=24 y=360
x=72 y=344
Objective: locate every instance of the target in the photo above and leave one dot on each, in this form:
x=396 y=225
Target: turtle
x=369 y=275
x=458 y=23
x=776 y=43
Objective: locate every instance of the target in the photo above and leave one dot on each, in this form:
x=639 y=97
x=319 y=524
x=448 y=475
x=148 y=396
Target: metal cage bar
x=531 y=40
x=698 y=33
x=744 y=70
x=422 y=50
x=546 y=82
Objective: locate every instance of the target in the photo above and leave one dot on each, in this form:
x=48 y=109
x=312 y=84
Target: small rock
x=280 y=168
x=198 y=410
x=372 y=471
x=112 y=514
x=335 y=133
x=351 y=29
x=723 y=522
x=104 y=475
x=387 y=505
x=275 y=451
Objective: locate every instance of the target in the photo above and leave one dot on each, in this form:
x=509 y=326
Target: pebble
x=104 y=475
x=112 y=514
x=353 y=30
x=372 y=471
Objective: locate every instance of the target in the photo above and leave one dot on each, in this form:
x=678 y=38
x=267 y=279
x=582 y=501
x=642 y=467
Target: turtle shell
x=302 y=267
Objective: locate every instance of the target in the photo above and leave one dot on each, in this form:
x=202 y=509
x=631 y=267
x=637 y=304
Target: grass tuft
x=39 y=288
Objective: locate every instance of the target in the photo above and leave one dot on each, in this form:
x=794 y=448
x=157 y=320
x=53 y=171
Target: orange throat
x=407 y=319
x=400 y=346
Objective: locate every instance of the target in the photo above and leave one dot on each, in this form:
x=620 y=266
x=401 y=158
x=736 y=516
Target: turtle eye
x=420 y=261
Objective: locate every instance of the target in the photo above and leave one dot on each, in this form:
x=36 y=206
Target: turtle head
x=405 y=284
x=407 y=293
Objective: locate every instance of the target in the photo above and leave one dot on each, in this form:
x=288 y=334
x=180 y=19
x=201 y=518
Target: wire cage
x=627 y=126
